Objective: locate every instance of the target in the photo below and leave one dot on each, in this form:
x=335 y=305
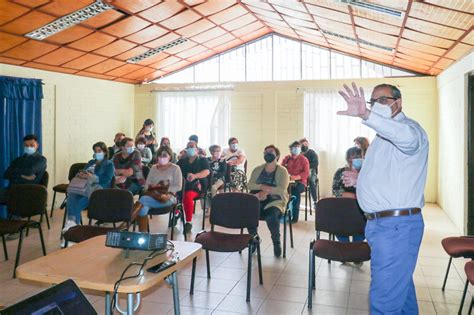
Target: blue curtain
x=21 y=115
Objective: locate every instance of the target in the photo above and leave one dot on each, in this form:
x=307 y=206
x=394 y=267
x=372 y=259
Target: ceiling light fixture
x=373 y=7
x=157 y=50
x=361 y=41
x=69 y=20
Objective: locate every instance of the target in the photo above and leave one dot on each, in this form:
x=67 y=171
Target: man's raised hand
x=355 y=101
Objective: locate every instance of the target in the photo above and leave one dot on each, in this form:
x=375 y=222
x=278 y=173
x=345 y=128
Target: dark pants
x=272 y=217
x=296 y=191
x=313 y=184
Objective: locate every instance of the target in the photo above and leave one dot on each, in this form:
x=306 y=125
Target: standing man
x=390 y=189
x=313 y=159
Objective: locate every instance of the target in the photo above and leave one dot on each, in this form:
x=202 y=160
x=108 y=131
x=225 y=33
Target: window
x=274 y=57
x=329 y=133
x=181 y=114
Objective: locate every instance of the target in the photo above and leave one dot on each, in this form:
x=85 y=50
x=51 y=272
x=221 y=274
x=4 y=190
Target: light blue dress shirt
x=393 y=175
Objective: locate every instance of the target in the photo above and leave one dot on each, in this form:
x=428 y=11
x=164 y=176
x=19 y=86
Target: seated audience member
x=165 y=142
x=128 y=167
x=218 y=169
x=354 y=161
x=28 y=168
x=195 y=170
x=99 y=167
x=298 y=168
x=161 y=186
x=145 y=151
x=201 y=152
x=148 y=134
x=363 y=144
x=269 y=182
x=116 y=147
x=313 y=160
x=234 y=156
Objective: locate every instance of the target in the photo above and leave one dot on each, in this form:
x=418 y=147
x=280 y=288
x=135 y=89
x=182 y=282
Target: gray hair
x=393 y=89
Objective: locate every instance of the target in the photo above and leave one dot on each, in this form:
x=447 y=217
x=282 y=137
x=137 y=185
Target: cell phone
x=161 y=266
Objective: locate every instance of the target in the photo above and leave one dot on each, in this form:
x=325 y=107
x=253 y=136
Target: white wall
x=452 y=172
x=77 y=112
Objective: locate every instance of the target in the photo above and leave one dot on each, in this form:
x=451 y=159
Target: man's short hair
x=124 y=141
x=193 y=138
x=303 y=140
x=232 y=139
x=214 y=147
x=295 y=144
x=30 y=137
x=119 y=134
x=393 y=89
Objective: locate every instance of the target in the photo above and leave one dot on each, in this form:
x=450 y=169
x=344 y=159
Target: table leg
x=107 y=304
x=174 y=282
x=130 y=304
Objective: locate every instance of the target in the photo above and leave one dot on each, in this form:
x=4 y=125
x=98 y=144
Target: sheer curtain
x=329 y=133
x=206 y=114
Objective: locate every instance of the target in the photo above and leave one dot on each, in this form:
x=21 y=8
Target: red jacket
x=297 y=166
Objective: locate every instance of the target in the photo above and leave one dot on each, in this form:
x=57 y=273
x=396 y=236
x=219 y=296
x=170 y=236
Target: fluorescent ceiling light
x=157 y=50
x=361 y=41
x=69 y=20
x=373 y=7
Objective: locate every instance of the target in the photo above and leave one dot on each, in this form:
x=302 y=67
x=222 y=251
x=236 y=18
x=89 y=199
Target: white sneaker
x=69 y=224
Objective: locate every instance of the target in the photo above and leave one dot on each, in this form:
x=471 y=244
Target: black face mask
x=269 y=157
x=304 y=148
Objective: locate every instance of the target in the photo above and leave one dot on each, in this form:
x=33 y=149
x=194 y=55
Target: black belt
x=392 y=213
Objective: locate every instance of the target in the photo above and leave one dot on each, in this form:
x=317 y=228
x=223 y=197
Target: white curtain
x=206 y=114
x=330 y=134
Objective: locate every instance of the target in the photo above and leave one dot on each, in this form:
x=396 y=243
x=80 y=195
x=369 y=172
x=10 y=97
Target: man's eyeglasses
x=382 y=100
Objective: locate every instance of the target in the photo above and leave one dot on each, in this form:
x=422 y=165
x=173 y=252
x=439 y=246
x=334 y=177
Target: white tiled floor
x=341 y=289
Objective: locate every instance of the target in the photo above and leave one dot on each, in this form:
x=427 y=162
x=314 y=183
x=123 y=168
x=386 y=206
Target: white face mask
x=140 y=146
x=383 y=110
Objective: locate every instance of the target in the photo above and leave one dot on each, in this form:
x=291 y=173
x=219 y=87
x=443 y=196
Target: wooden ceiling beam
x=402 y=28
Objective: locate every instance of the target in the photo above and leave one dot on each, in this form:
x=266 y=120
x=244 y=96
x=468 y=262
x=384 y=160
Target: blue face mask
x=234 y=146
x=190 y=152
x=99 y=156
x=295 y=150
x=130 y=150
x=357 y=163
x=29 y=150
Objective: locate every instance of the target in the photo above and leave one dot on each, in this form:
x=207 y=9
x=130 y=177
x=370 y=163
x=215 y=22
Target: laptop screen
x=64 y=298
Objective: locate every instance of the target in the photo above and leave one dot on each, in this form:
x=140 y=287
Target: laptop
x=64 y=298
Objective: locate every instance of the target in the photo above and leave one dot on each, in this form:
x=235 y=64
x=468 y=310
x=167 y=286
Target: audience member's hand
x=349 y=178
x=31 y=177
x=261 y=195
x=355 y=100
x=266 y=189
x=191 y=177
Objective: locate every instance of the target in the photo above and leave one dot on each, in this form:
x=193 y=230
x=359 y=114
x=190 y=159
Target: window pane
x=207 y=71
x=344 y=67
x=287 y=59
x=259 y=60
x=232 y=65
x=183 y=76
x=315 y=63
x=372 y=70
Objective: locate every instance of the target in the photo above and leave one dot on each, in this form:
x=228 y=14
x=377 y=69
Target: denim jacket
x=104 y=172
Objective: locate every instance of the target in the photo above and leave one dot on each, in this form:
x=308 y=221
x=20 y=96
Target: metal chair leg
x=447 y=272
x=306 y=203
x=43 y=247
x=208 y=266
x=171 y=221
x=5 y=252
x=284 y=232
x=291 y=233
x=249 y=271
x=52 y=205
x=204 y=214
x=18 y=253
x=463 y=297
x=193 y=275
x=310 y=277
x=259 y=261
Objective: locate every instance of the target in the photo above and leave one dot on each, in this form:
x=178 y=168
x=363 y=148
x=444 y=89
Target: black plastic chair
x=308 y=198
x=457 y=246
x=469 y=269
x=24 y=201
x=44 y=182
x=62 y=188
x=336 y=216
x=232 y=211
x=109 y=205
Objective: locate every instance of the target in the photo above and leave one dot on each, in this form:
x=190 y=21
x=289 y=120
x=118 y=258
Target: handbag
x=159 y=192
x=83 y=186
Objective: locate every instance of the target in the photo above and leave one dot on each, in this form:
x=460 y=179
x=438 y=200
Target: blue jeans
x=149 y=202
x=355 y=238
x=394 y=243
x=75 y=204
x=296 y=191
